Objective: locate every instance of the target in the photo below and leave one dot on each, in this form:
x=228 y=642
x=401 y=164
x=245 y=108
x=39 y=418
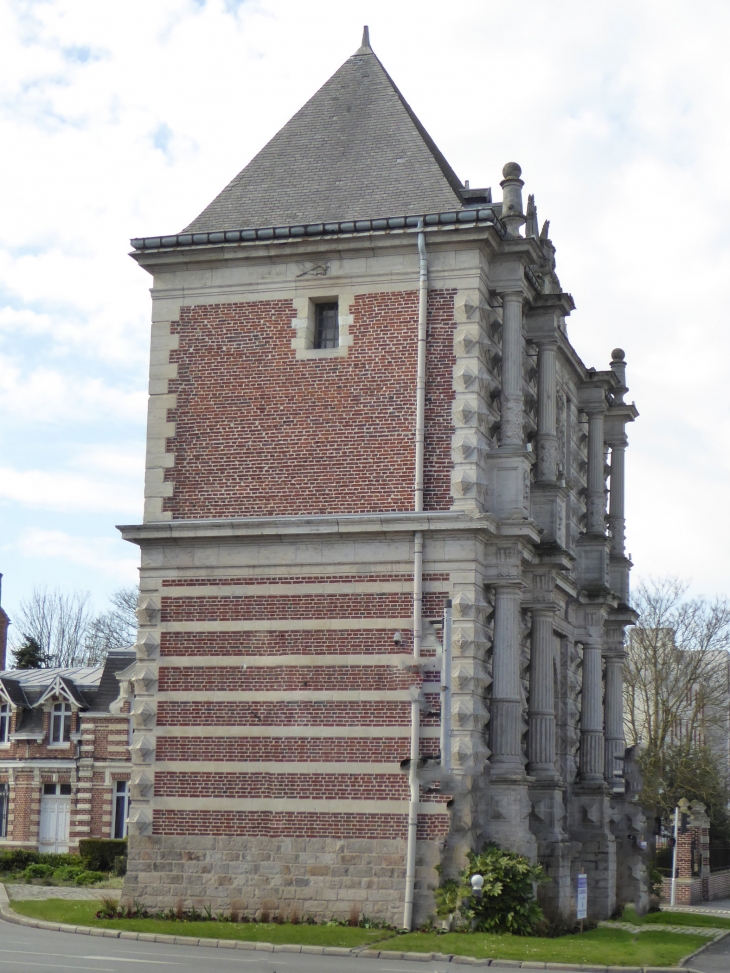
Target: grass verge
x=81 y=913
x=602 y=947
x=675 y=919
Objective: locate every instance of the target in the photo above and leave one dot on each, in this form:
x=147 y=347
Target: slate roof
x=355 y=151
x=94 y=687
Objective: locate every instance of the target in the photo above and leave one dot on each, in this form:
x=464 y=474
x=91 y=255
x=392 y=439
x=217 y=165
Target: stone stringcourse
x=362 y=952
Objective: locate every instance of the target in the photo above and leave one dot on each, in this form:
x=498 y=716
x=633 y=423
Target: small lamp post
x=477 y=884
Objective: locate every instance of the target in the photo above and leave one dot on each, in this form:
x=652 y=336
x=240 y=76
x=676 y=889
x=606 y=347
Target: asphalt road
x=715 y=959
x=24 y=949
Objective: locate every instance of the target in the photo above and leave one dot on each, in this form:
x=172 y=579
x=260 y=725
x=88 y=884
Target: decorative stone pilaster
x=615 y=742
x=591 y=713
x=541 y=709
x=619 y=414
x=547 y=436
x=509 y=803
x=547 y=819
x=506 y=711
x=511 y=434
x=596 y=493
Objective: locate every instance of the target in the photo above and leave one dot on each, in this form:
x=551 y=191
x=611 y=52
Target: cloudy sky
x=126 y=117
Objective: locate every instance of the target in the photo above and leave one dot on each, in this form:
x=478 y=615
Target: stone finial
x=365 y=47
x=512 y=215
x=531 y=214
x=618 y=367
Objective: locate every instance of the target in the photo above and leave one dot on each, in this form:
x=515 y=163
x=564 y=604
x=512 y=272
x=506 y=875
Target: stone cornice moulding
x=314 y=525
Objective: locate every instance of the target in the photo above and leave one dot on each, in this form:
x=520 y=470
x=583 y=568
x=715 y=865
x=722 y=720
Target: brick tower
x=364 y=404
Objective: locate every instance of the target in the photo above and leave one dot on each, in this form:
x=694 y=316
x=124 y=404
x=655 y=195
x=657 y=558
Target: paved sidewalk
x=22 y=891
x=721 y=907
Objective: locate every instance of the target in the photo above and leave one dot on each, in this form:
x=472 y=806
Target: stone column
x=510 y=432
x=547 y=439
x=615 y=743
x=616 y=518
x=541 y=712
x=591 y=714
x=505 y=718
x=596 y=495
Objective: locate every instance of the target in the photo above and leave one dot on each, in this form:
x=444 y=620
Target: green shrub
x=16 y=859
x=120 y=866
x=89 y=877
x=68 y=873
x=37 y=871
x=507 y=903
x=99 y=853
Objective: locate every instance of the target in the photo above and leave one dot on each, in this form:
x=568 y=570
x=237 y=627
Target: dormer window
x=4 y=723
x=61 y=723
x=326 y=325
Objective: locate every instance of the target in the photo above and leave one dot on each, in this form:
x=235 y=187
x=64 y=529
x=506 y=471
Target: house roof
x=88 y=686
x=355 y=151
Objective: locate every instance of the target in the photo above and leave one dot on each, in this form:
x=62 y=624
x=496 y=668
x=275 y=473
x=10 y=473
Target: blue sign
x=581 y=898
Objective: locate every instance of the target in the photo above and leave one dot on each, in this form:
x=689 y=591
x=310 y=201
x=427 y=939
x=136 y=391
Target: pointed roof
x=354 y=151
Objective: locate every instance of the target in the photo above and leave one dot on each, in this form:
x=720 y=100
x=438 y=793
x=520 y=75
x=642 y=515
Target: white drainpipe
x=446 y=691
x=417 y=576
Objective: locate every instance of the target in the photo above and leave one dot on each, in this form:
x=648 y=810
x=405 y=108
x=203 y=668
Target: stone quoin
x=364 y=407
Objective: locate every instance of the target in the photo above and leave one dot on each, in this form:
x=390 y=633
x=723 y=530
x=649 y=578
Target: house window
x=54 y=790
x=4 y=801
x=326 y=325
x=61 y=723
x=4 y=723
x=121 y=809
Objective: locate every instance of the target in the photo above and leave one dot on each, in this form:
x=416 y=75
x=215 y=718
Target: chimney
x=4 y=622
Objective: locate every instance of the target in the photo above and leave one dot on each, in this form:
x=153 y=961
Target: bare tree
x=676 y=671
x=115 y=628
x=58 y=622
x=68 y=632
x=677 y=694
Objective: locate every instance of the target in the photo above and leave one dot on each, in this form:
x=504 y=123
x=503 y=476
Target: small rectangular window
x=61 y=723
x=326 y=325
x=121 y=809
x=4 y=722
x=65 y=790
x=49 y=789
x=4 y=801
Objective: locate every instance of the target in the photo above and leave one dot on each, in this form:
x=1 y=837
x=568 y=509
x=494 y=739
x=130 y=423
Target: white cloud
x=97 y=553
x=62 y=490
x=48 y=395
x=127 y=117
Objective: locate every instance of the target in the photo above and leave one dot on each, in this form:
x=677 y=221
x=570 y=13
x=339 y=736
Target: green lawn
x=612 y=947
x=675 y=919
x=602 y=947
x=82 y=914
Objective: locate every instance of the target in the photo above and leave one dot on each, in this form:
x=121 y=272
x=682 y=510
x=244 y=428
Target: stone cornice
x=313 y=525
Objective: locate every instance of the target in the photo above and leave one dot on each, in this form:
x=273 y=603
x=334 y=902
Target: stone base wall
x=719 y=885
x=321 y=877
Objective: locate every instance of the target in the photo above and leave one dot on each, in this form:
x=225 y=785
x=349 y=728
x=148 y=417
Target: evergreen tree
x=29 y=655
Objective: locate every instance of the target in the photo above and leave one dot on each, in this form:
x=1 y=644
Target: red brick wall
x=262 y=433
x=339 y=784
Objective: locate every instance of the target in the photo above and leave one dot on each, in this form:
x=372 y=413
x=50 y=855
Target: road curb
x=7 y=914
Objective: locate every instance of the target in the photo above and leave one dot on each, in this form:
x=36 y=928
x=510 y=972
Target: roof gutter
x=298 y=231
